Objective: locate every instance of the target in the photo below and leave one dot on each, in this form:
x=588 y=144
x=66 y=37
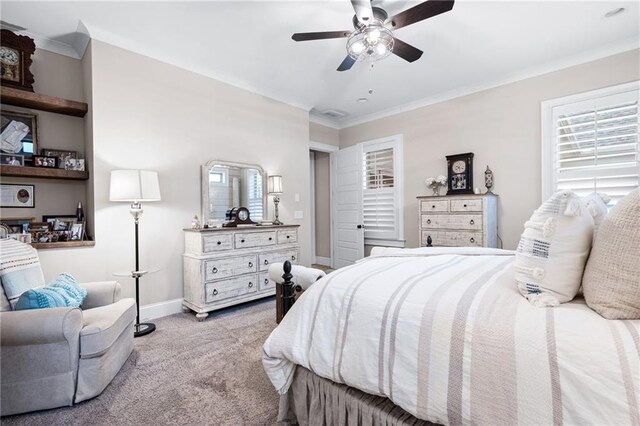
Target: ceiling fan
x=373 y=38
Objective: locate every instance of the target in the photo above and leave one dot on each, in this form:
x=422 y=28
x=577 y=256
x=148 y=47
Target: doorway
x=321 y=203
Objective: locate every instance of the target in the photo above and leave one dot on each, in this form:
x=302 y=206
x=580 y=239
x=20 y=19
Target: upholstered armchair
x=60 y=356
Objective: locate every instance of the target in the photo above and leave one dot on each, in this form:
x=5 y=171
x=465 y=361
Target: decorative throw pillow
x=611 y=279
x=596 y=204
x=553 y=249
x=64 y=291
x=19 y=269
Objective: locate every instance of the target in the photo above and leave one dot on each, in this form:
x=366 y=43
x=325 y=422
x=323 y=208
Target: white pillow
x=553 y=250
x=596 y=204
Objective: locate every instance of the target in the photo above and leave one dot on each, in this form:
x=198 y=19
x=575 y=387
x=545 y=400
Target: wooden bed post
x=287 y=288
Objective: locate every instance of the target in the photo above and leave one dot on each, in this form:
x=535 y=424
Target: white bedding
x=445 y=335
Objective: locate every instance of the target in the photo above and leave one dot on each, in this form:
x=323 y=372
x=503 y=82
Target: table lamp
x=275 y=189
x=136 y=186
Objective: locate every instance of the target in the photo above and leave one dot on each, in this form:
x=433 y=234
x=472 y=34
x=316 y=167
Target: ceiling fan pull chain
x=371 y=79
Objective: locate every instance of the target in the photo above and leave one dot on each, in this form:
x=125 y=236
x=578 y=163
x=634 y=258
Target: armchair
x=60 y=356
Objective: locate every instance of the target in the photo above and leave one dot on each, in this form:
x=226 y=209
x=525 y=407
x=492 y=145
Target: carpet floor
x=186 y=372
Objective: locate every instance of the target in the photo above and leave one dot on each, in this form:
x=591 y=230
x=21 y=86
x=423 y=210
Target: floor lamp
x=136 y=186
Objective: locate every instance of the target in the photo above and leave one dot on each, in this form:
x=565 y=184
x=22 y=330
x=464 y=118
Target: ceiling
x=477 y=45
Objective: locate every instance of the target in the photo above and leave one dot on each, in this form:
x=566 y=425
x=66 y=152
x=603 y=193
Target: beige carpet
x=186 y=372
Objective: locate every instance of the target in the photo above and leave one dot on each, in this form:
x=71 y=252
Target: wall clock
x=15 y=60
x=460 y=170
x=239 y=216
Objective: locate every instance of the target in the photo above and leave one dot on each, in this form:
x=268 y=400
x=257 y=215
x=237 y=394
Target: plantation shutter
x=255 y=194
x=380 y=192
x=596 y=146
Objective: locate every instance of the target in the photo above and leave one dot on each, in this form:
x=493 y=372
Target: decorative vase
x=436 y=190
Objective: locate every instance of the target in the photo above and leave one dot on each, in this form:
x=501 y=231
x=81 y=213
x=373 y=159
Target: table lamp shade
x=134 y=185
x=275 y=184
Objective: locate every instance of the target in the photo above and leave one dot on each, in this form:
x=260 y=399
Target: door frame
x=329 y=149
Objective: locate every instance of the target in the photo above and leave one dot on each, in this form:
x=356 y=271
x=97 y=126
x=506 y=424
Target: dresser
x=459 y=220
x=227 y=266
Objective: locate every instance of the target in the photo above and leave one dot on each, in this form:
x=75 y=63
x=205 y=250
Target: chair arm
x=101 y=294
x=40 y=326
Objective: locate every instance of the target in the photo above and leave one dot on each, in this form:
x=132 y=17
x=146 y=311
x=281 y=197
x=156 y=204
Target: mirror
x=226 y=185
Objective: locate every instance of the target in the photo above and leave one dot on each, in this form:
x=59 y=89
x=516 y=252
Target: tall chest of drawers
x=227 y=266
x=459 y=220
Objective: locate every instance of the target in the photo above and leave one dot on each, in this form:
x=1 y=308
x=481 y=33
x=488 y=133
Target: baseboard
x=160 y=309
x=323 y=260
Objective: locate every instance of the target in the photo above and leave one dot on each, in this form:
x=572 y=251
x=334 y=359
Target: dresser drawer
x=226 y=289
x=453 y=238
x=462 y=205
x=465 y=221
x=255 y=239
x=265 y=283
x=434 y=206
x=287 y=236
x=266 y=259
x=215 y=269
x=213 y=243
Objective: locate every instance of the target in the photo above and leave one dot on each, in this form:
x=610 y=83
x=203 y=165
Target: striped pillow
x=19 y=269
x=553 y=250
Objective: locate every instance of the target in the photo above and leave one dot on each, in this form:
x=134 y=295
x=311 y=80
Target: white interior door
x=348 y=240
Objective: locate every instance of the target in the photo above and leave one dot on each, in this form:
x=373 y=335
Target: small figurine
x=488 y=180
x=195 y=223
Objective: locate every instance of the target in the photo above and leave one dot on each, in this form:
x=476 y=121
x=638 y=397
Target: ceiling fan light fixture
x=372 y=43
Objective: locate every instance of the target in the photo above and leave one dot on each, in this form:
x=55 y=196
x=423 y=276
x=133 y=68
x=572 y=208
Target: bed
x=443 y=336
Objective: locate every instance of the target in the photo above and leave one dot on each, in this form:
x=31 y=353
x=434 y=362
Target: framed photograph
x=18 y=225
x=60 y=222
x=12 y=160
x=61 y=156
x=16 y=195
x=77 y=164
x=39 y=227
x=76 y=232
x=43 y=161
x=18 y=133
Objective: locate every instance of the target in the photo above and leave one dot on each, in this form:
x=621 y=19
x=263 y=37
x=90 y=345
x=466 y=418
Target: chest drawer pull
x=219 y=242
x=242 y=241
x=266 y=281
x=214 y=270
x=250 y=264
x=429 y=221
x=215 y=292
x=270 y=238
x=288 y=236
x=293 y=258
x=471 y=222
x=472 y=240
x=433 y=206
x=266 y=262
x=464 y=205
x=250 y=284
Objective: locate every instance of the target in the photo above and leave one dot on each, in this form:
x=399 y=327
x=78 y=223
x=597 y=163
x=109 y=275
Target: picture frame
x=13 y=195
x=44 y=161
x=61 y=156
x=18 y=133
x=60 y=222
x=39 y=227
x=11 y=160
x=77 y=232
x=18 y=225
x=75 y=164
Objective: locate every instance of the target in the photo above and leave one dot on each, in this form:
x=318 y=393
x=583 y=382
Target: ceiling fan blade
x=347 y=63
x=363 y=10
x=320 y=36
x=420 y=12
x=406 y=51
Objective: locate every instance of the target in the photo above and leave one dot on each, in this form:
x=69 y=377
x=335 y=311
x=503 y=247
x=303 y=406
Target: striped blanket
x=447 y=337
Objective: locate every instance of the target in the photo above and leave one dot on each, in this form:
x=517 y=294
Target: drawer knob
x=288 y=236
x=219 y=242
x=429 y=221
x=214 y=270
x=293 y=258
x=266 y=281
x=215 y=292
x=464 y=205
x=250 y=264
x=250 y=284
x=266 y=262
x=471 y=222
x=242 y=241
x=270 y=238
x=473 y=240
x=433 y=206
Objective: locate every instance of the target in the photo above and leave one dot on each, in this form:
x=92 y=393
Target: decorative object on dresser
x=458 y=221
x=19 y=133
x=239 y=216
x=228 y=266
x=460 y=172
x=15 y=58
x=436 y=183
x=17 y=195
x=275 y=189
x=488 y=180
x=136 y=186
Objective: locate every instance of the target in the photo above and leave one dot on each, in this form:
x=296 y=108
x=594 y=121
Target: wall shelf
x=63 y=244
x=43 y=173
x=24 y=99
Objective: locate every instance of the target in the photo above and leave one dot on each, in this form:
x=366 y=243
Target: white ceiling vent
x=334 y=113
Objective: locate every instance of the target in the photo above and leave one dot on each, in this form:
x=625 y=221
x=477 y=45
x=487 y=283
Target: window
x=590 y=143
x=254 y=194
x=382 y=192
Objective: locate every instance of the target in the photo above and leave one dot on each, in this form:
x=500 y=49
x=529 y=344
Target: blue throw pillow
x=64 y=291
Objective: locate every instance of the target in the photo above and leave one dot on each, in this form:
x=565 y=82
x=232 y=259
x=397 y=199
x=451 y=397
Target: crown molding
x=54 y=46
x=324 y=121
x=578 y=59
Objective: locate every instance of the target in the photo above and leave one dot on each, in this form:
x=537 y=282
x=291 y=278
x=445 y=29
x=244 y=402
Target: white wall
x=501 y=126
x=151 y=115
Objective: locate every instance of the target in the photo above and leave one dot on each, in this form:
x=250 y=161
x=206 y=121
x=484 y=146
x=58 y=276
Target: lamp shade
x=275 y=184
x=134 y=185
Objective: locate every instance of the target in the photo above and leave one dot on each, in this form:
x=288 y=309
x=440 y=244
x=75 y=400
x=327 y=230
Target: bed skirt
x=314 y=400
